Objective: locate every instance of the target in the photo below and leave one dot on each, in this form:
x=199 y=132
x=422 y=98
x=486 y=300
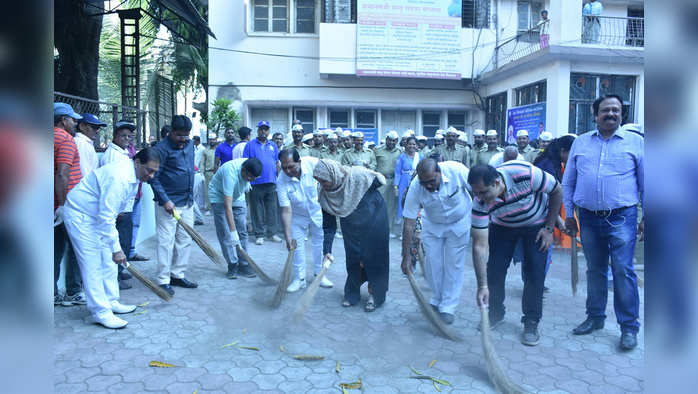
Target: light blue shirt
x=102 y=195
x=228 y=182
x=447 y=209
x=301 y=194
x=595 y=8
x=604 y=174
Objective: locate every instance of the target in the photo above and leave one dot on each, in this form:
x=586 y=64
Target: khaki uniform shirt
x=385 y=160
x=317 y=152
x=336 y=156
x=484 y=156
x=207 y=161
x=364 y=157
x=529 y=153
x=448 y=154
x=304 y=151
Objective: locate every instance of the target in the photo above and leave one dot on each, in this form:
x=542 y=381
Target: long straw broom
x=499 y=378
x=575 y=267
x=160 y=292
x=283 y=281
x=205 y=246
x=307 y=299
x=420 y=255
x=262 y=274
x=429 y=313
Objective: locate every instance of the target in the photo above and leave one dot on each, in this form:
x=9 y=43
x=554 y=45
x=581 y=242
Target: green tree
x=222 y=116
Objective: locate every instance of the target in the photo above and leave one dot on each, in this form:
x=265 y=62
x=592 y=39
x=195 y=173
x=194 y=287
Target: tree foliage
x=222 y=116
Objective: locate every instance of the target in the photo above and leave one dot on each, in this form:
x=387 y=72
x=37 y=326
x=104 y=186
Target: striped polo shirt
x=65 y=152
x=525 y=200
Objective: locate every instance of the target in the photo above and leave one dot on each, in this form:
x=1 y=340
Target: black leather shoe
x=232 y=271
x=246 y=271
x=124 y=285
x=628 y=341
x=184 y=282
x=124 y=275
x=447 y=318
x=168 y=289
x=588 y=326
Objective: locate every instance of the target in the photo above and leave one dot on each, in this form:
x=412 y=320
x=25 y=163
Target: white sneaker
x=259 y=241
x=120 y=308
x=296 y=285
x=392 y=235
x=338 y=235
x=110 y=321
x=275 y=238
x=326 y=283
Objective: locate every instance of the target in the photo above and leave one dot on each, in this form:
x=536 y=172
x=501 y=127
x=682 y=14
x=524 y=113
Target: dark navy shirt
x=268 y=154
x=175 y=179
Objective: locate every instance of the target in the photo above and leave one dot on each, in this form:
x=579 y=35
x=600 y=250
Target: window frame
x=291 y=19
x=471 y=11
x=579 y=105
x=542 y=86
x=338 y=110
x=427 y=128
x=375 y=118
x=307 y=126
x=461 y=122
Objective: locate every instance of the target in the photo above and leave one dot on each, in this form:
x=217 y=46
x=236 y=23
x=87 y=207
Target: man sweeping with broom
x=90 y=215
x=226 y=190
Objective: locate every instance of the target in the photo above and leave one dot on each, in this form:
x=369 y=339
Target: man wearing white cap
x=359 y=156
x=478 y=145
x=298 y=140
x=525 y=149
x=317 y=144
x=438 y=141
x=422 y=147
x=386 y=157
x=451 y=151
x=332 y=152
x=544 y=139
x=463 y=142
x=345 y=141
x=484 y=157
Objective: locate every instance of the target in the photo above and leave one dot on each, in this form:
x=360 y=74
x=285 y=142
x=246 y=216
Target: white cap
x=439 y=132
x=371 y=143
x=438 y=137
x=357 y=134
x=332 y=136
x=318 y=132
x=463 y=137
x=491 y=132
x=546 y=136
x=410 y=132
x=392 y=134
x=212 y=136
x=307 y=137
x=346 y=133
x=421 y=138
x=297 y=127
x=451 y=130
x=339 y=131
x=522 y=133
x=479 y=132
x=406 y=134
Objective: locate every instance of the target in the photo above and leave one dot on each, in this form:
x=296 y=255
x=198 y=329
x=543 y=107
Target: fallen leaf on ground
x=250 y=348
x=436 y=386
x=160 y=364
x=230 y=344
x=351 y=386
x=338 y=367
x=244 y=331
x=431 y=364
x=433 y=379
x=308 y=357
x=282 y=348
x=143 y=312
x=415 y=371
x=144 y=304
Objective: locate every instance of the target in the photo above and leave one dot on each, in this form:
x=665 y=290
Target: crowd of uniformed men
x=437 y=194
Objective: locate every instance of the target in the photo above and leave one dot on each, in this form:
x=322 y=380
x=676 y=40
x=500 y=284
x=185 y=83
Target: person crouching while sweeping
x=90 y=215
x=351 y=193
x=300 y=211
x=441 y=191
x=227 y=195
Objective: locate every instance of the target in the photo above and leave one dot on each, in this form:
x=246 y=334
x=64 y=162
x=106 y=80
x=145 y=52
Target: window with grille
x=457 y=120
x=431 y=121
x=339 y=118
x=585 y=88
x=496 y=114
x=307 y=118
x=531 y=94
x=365 y=119
x=475 y=13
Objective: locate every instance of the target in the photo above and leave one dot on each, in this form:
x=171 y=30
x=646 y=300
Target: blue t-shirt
x=268 y=154
x=224 y=152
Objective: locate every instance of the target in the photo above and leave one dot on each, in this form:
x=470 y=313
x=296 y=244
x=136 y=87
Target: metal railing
x=613 y=31
x=523 y=44
x=109 y=113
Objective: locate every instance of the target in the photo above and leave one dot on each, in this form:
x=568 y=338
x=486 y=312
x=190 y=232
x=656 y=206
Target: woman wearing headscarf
x=351 y=193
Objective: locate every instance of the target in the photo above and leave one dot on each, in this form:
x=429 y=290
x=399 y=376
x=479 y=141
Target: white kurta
x=301 y=195
x=90 y=215
x=88 y=155
x=446 y=218
x=112 y=154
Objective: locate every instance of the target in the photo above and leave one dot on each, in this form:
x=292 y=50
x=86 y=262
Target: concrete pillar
x=565 y=22
x=558 y=99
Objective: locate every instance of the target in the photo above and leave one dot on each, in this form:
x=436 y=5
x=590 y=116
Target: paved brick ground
x=192 y=330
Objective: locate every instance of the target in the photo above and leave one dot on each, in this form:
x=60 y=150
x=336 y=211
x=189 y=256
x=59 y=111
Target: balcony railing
x=613 y=31
x=523 y=44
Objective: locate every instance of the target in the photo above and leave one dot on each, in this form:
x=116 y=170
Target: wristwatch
x=548 y=228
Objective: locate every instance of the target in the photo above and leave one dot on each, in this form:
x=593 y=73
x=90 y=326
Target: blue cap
x=263 y=123
x=65 y=109
x=91 y=119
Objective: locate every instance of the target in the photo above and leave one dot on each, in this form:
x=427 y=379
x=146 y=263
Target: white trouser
x=299 y=229
x=199 y=185
x=97 y=269
x=173 y=243
x=445 y=268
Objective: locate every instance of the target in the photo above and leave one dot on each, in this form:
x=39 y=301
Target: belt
x=606 y=212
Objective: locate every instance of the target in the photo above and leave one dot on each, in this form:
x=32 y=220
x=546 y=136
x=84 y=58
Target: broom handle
x=254 y=265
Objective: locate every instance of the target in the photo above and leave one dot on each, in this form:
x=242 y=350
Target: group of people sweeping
x=495 y=207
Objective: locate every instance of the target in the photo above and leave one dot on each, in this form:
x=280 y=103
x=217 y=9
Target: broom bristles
x=429 y=313
x=148 y=283
x=283 y=281
x=205 y=246
x=309 y=295
x=499 y=378
x=257 y=268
